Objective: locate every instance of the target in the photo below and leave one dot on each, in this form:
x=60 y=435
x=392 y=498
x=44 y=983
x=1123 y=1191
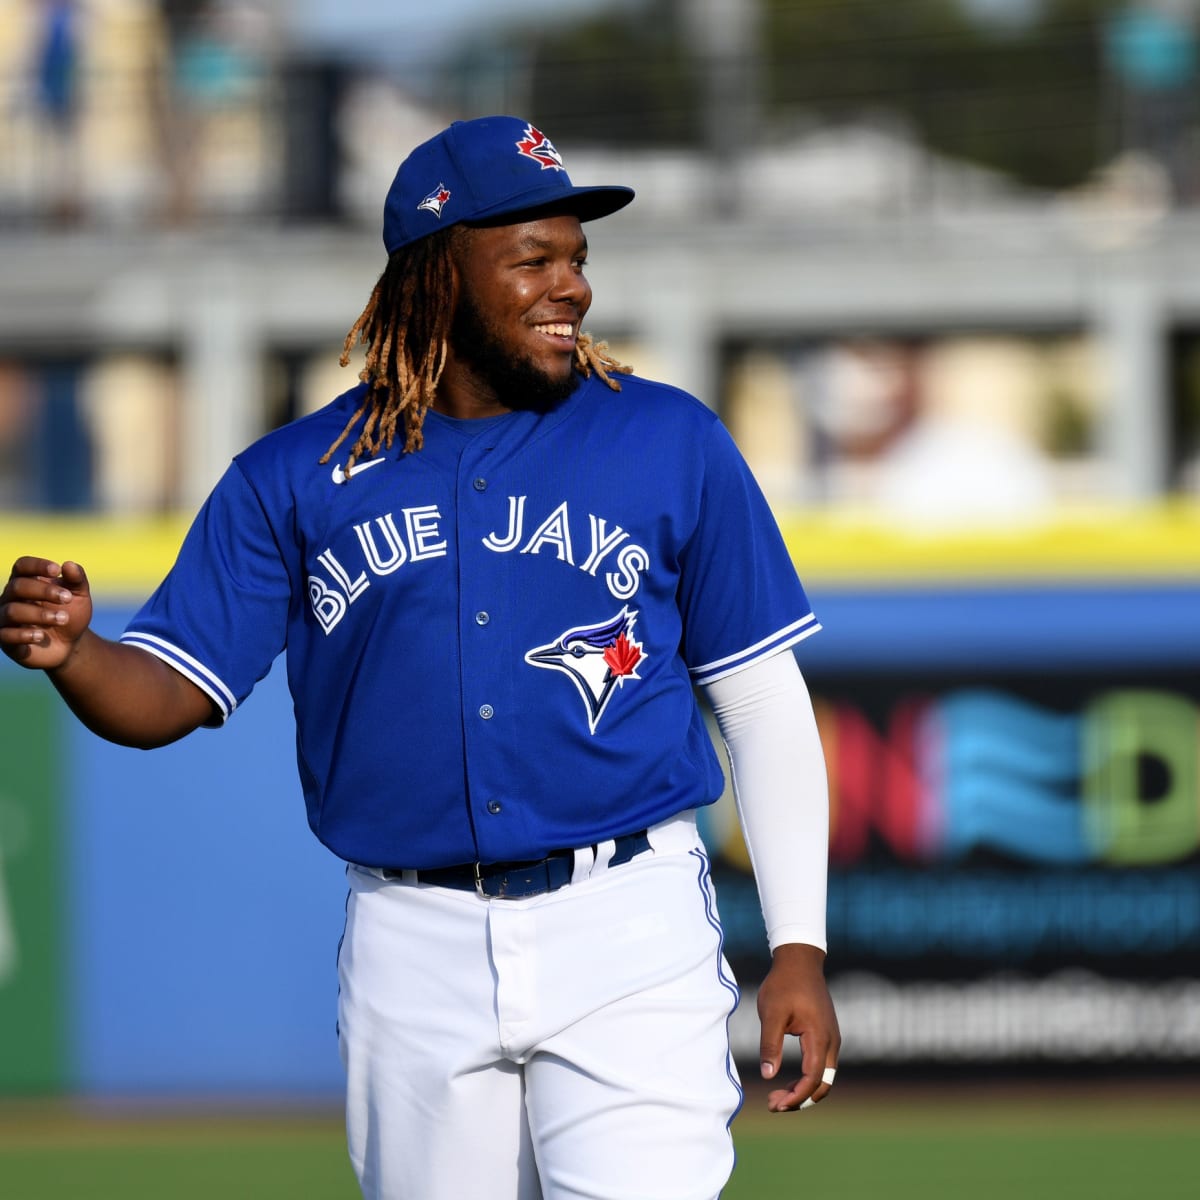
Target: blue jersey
x=492 y=643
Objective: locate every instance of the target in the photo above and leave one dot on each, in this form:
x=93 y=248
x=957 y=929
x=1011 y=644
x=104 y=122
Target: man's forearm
x=766 y=718
x=128 y=696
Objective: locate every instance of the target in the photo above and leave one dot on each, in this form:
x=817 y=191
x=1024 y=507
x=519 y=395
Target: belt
x=516 y=880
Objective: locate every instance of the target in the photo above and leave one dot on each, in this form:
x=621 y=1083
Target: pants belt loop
x=675 y=835
x=585 y=857
x=604 y=852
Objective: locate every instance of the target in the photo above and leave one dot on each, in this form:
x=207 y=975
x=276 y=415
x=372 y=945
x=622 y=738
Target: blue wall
x=203 y=916
x=1020 y=627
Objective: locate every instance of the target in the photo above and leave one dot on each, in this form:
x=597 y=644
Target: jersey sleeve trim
x=187 y=666
x=780 y=640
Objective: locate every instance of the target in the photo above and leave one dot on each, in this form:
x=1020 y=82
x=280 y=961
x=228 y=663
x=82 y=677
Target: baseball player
x=500 y=566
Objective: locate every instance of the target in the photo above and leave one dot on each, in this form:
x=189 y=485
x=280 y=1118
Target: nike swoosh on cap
x=340 y=476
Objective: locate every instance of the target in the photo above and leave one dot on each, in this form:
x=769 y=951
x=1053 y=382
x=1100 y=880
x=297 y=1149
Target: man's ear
x=459 y=246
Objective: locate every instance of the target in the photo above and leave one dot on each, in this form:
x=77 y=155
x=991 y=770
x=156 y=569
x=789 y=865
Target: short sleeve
x=740 y=597
x=220 y=616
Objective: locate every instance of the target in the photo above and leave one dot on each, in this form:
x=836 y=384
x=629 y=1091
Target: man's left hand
x=795 y=999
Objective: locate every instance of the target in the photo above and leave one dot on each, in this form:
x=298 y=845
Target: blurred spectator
x=78 y=110
x=17 y=409
x=55 y=71
x=129 y=405
x=58 y=59
x=1151 y=47
x=62 y=444
x=931 y=432
x=962 y=449
x=217 y=143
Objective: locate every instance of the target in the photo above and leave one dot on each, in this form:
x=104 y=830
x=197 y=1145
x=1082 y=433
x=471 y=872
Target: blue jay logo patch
x=436 y=200
x=598 y=659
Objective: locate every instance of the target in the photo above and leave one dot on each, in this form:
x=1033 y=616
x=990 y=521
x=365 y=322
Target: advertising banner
x=1015 y=841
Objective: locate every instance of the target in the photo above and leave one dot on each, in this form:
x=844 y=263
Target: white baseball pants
x=564 y=1046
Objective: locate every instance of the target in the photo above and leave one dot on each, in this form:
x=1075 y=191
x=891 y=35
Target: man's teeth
x=556 y=330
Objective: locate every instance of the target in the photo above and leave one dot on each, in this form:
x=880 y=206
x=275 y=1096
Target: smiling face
x=522 y=295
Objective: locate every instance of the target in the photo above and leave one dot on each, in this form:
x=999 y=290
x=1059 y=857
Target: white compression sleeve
x=766 y=719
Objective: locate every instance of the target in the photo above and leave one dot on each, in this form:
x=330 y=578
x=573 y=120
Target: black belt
x=515 y=880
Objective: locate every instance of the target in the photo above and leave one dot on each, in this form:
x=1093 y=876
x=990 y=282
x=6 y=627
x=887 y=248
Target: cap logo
x=536 y=145
x=435 y=201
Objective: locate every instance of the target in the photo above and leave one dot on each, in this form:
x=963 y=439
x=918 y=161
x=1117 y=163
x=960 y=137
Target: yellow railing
x=128 y=556
x=1102 y=544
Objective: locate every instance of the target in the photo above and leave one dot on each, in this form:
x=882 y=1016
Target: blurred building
x=188 y=205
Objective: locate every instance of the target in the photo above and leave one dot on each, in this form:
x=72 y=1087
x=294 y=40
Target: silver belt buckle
x=478 y=881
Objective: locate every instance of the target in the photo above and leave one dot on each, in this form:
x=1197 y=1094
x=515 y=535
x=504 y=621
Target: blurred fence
x=1000 y=369
x=187 y=220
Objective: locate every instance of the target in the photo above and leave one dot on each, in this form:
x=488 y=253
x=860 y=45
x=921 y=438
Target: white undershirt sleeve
x=766 y=719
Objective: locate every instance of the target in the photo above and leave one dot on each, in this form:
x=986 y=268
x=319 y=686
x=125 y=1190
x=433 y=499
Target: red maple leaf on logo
x=622 y=656
x=536 y=145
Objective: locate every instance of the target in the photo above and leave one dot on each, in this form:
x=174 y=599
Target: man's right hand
x=122 y=693
x=44 y=609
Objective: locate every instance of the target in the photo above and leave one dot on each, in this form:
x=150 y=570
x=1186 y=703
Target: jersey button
x=493 y=806
x=482 y=618
x=487 y=712
x=479 y=484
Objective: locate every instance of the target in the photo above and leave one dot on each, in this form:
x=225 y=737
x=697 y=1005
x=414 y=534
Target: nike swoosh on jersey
x=340 y=476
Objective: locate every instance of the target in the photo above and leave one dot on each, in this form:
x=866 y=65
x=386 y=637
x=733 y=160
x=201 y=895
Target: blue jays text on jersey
x=387 y=543
x=492 y=643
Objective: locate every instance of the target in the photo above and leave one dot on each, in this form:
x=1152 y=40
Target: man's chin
x=539 y=392
x=519 y=383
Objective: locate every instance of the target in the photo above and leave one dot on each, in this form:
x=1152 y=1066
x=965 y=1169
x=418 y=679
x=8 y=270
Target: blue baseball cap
x=484 y=169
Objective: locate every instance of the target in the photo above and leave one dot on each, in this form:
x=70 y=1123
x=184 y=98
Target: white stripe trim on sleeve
x=186 y=665
x=780 y=640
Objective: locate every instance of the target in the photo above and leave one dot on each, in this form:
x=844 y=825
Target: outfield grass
x=929 y=1144
x=51 y=1156
x=1127 y=1142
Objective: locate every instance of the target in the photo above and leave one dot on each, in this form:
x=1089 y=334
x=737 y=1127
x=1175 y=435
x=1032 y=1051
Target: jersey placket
x=485 y=650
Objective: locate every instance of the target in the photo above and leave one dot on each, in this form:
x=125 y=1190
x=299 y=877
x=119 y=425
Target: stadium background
x=963 y=359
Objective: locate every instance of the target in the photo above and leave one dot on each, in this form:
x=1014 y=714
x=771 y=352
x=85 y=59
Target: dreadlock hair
x=406 y=329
